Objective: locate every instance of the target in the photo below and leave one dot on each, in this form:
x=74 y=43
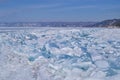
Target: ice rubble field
x=60 y=54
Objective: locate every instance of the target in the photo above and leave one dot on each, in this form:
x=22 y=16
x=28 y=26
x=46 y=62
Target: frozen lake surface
x=59 y=54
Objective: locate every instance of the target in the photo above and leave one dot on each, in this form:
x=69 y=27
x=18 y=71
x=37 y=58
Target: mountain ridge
x=107 y=23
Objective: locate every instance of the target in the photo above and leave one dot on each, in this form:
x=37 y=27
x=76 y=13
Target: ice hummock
x=60 y=54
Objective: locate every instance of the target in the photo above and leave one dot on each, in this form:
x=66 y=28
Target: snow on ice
x=60 y=54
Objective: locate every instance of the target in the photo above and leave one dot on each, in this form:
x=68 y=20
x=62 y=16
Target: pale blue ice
x=60 y=54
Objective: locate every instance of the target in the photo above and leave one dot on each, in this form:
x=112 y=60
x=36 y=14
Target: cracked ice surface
x=60 y=54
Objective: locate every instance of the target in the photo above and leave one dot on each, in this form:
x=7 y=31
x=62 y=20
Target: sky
x=58 y=10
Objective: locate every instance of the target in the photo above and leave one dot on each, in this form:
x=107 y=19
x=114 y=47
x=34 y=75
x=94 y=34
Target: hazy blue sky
x=58 y=10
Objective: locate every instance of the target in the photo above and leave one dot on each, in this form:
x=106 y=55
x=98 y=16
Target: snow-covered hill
x=60 y=54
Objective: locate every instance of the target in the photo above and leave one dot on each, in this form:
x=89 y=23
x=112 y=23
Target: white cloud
x=44 y=6
x=84 y=7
